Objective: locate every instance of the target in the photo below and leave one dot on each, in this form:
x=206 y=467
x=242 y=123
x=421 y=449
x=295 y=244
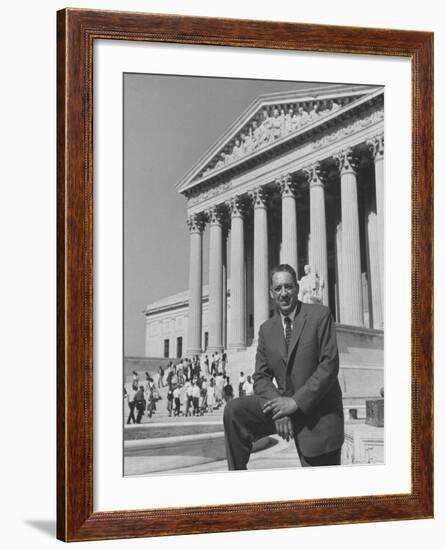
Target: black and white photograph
x=223 y=275
x=253 y=274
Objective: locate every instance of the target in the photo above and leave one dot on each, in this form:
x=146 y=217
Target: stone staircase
x=237 y=361
x=240 y=361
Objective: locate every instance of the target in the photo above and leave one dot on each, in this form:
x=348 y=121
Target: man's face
x=284 y=292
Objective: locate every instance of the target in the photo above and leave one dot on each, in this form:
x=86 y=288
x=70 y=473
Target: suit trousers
x=245 y=422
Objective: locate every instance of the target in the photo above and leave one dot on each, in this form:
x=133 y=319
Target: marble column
x=351 y=261
x=224 y=298
x=260 y=260
x=196 y=226
x=249 y=281
x=309 y=253
x=318 y=258
x=289 y=247
x=373 y=249
x=237 y=314
x=340 y=277
x=377 y=147
x=215 y=312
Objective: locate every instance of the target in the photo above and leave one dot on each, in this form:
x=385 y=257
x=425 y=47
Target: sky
x=169 y=122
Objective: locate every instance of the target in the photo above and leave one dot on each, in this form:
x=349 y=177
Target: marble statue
x=317 y=292
x=256 y=134
x=288 y=121
x=276 y=124
x=266 y=128
x=294 y=122
x=282 y=117
x=303 y=116
x=314 y=113
x=247 y=142
x=236 y=151
x=311 y=287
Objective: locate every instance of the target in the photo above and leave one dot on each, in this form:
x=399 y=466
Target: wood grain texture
x=76 y=32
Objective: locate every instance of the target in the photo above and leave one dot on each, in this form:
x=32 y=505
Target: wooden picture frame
x=77 y=31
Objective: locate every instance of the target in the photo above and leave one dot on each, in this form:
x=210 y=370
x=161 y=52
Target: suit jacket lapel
x=279 y=336
x=299 y=322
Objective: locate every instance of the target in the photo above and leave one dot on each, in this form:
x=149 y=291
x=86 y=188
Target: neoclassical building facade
x=298 y=178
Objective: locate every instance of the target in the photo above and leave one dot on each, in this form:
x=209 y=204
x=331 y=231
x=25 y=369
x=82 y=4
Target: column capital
x=286 y=186
x=346 y=161
x=196 y=223
x=259 y=197
x=377 y=146
x=216 y=214
x=314 y=175
x=237 y=206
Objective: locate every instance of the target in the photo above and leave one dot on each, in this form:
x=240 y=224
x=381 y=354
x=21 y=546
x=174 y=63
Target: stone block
x=363 y=444
x=375 y=410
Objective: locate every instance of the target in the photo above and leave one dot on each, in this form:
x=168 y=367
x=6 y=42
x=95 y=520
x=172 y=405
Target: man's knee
x=232 y=409
x=241 y=410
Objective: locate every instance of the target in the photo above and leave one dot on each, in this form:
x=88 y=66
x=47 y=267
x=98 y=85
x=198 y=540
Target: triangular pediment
x=270 y=120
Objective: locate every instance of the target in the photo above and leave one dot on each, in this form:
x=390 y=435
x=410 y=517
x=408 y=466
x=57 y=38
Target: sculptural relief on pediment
x=270 y=124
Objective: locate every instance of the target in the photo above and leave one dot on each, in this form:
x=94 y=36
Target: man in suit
x=296 y=389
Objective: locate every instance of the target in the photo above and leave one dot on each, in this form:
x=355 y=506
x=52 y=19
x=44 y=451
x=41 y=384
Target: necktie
x=287 y=332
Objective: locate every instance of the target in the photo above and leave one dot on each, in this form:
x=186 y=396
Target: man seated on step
x=297 y=349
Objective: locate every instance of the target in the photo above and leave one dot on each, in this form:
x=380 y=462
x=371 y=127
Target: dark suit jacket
x=309 y=374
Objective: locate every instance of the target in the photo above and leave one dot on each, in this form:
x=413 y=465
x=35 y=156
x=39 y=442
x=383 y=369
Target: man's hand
x=280 y=407
x=284 y=428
